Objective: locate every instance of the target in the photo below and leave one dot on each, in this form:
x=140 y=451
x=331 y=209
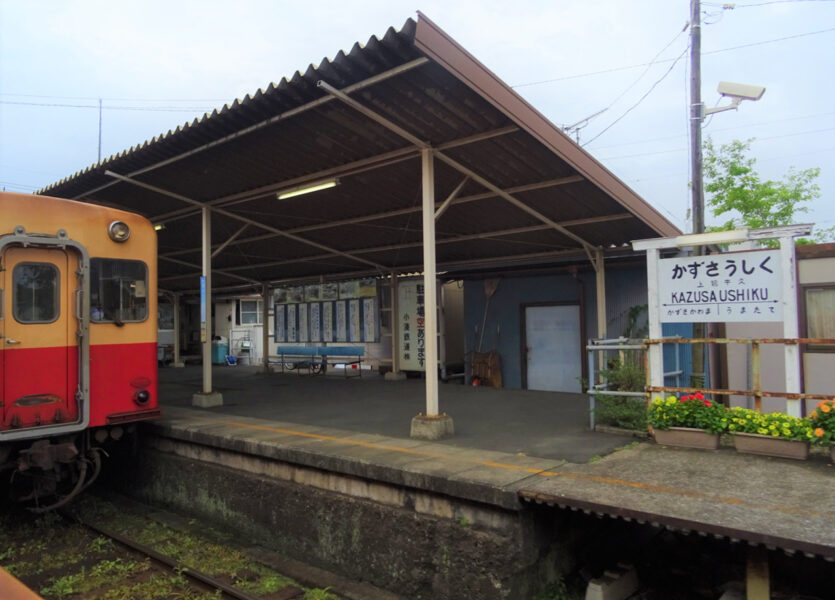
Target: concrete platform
x=544 y=424
x=512 y=447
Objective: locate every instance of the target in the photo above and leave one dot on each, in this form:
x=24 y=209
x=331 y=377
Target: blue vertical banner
x=203 y=328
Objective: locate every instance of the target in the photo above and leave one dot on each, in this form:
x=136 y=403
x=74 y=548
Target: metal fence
x=600 y=349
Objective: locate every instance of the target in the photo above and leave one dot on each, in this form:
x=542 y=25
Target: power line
x=625 y=68
x=96 y=106
x=114 y=99
x=642 y=98
x=746 y=126
x=730 y=6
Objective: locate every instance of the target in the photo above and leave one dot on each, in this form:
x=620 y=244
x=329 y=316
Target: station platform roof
x=519 y=190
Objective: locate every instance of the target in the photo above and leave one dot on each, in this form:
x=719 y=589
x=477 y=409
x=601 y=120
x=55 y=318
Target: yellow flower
x=819 y=432
x=813 y=415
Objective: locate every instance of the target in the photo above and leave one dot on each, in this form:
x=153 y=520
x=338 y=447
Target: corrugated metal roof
x=294 y=132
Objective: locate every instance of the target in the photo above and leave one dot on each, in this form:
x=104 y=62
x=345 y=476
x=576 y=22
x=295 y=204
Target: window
x=250 y=312
x=820 y=314
x=36 y=288
x=118 y=290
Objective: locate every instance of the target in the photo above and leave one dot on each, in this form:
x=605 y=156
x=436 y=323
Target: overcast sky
x=158 y=64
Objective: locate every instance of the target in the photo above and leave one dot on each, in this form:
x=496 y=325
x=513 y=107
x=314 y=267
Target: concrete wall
x=414 y=542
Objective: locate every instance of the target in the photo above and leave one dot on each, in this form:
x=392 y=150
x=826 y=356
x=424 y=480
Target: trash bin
x=219 y=350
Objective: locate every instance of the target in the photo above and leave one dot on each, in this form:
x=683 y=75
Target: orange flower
x=825 y=408
x=819 y=432
x=813 y=414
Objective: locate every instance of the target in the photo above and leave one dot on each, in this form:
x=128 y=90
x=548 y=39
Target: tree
x=737 y=191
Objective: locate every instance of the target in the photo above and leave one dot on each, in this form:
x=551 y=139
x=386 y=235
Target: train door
x=39 y=357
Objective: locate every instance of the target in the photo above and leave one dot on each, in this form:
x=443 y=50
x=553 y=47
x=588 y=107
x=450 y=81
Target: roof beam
x=410 y=210
x=375 y=116
x=515 y=202
x=359 y=166
x=372 y=114
x=271 y=121
x=246 y=220
x=440 y=241
x=199 y=271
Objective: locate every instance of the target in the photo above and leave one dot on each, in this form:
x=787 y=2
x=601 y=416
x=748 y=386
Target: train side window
x=36 y=287
x=118 y=291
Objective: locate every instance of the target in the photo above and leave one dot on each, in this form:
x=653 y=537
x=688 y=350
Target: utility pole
x=697 y=375
x=698 y=200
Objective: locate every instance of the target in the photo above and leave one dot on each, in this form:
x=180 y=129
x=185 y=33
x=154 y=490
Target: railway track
x=106 y=550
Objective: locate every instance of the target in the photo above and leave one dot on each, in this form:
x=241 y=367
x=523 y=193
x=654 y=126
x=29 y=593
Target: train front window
x=118 y=291
x=36 y=288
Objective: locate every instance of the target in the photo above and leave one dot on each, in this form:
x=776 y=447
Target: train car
x=78 y=337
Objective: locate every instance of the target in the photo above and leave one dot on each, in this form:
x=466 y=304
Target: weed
x=101 y=544
x=629 y=445
x=619 y=411
x=555 y=591
x=464 y=522
x=64 y=586
x=319 y=594
x=595 y=459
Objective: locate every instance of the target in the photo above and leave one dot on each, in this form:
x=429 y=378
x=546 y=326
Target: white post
x=600 y=281
x=429 y=283
x=265 y=327
x=656 y=357
x=175 y=297
x=207 y=397
x=790 y=325
x=600 y=288
x=207 y=274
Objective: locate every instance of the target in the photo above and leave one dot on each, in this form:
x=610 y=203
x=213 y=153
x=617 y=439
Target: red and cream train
x=78 y=333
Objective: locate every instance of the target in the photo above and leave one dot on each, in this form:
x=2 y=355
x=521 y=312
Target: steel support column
x=430 y=292
x=175 y=299
x=207 y=397
x=265 y=328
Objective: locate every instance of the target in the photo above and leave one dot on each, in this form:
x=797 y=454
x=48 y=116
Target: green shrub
x=621 y=411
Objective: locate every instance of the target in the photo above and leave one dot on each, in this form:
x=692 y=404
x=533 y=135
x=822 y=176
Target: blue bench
x=315 y=359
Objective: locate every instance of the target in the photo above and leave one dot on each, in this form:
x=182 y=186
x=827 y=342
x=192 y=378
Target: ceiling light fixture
x=308 y=188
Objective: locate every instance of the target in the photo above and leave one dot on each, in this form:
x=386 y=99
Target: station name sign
x=729 y=287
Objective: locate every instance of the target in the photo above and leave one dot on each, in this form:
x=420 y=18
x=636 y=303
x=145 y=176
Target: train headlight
x=118 y=231
x=141 y=397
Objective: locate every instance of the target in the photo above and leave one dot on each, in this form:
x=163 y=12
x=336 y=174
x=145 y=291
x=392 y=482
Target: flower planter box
x=687 y=437
x=753 y=443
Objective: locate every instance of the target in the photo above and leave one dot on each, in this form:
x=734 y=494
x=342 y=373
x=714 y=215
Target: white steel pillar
x=265 y=328
x=656 y=357
x=207 y=397
x=600 y=288
x=432 y=425
x=175 y=299
x=790 y=322
x=430 y=293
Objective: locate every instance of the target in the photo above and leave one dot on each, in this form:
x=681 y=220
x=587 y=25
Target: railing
x=601 y=347
x=757 y=393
